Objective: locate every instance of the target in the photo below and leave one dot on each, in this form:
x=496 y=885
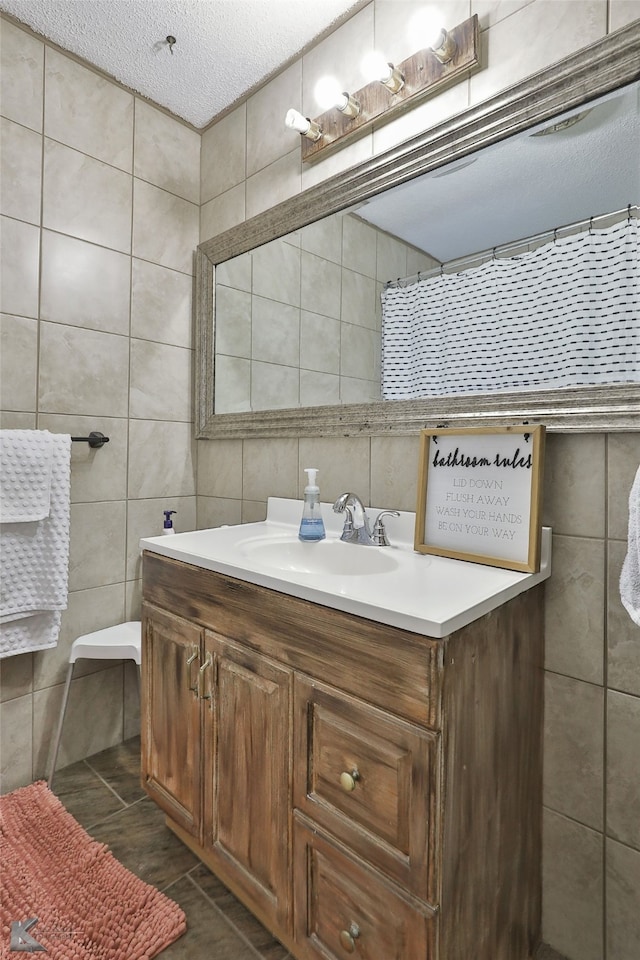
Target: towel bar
x=95 y=439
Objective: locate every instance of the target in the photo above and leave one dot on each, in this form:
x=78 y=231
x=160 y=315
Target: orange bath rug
x=67 y=893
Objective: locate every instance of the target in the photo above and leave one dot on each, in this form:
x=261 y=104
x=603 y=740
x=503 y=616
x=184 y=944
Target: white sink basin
x=429 y=595
x=327 y=557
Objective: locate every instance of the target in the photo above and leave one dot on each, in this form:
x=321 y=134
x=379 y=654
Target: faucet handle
x=379 y=535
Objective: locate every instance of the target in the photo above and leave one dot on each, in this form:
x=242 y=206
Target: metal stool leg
x=63 y=710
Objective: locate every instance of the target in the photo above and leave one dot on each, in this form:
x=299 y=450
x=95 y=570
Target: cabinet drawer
x=370 y=779
x=343 y=908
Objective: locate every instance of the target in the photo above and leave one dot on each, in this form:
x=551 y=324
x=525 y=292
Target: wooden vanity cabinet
x=364 y=790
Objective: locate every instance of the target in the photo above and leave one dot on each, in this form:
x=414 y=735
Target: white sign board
x=479 y=495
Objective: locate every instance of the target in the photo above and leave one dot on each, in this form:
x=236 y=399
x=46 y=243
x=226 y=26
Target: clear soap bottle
x=311 y=525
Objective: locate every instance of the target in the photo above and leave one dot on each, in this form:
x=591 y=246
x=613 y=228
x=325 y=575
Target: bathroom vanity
x=362 y=787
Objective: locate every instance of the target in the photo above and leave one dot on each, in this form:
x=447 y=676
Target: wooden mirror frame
x=601 y=68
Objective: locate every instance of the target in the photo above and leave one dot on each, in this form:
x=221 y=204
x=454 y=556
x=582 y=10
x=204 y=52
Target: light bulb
x=307 y=128
x=427 y=24
x=329 y=95
x=376 y=67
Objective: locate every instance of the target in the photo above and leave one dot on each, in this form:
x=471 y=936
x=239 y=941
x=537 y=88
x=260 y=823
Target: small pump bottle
x=168 y=524
x=311 y=525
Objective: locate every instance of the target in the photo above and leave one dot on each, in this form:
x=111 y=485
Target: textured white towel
x=630 y=576
x=34 y=558
x=25 y=475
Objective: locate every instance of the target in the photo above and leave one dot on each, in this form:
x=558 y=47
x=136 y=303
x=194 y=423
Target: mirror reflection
x=298 y=320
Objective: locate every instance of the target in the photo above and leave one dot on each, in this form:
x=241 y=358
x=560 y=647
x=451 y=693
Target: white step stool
x=122 y=642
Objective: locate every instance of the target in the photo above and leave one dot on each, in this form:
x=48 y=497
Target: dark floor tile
x=120 y=767
x=84 y=795
x=545 y=952
x=208 y=933
x=258 y=936
x=139 y=838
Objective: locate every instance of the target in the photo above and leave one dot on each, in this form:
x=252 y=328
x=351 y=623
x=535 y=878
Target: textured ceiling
x=223 y=47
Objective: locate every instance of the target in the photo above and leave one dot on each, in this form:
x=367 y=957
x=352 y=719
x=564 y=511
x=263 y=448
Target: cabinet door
x=247 y=777
x=170 y=716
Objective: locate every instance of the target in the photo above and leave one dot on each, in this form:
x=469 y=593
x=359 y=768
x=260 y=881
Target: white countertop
x=428 y=595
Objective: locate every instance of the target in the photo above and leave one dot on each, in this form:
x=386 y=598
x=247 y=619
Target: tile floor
x=104 y=794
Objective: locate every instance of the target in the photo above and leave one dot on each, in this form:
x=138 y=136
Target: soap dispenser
x=168 y=523
x=311 y=525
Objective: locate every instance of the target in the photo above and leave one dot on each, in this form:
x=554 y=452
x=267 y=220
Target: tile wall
x=298 y=319
x=99 y=203
x=592 y=736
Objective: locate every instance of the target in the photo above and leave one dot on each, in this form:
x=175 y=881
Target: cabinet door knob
x=348 y=780
x=348 y=937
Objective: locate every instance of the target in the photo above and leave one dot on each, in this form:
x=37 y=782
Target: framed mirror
x=578 y=82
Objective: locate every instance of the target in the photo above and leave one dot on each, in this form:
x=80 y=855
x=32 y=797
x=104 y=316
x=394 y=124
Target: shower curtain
x=565 y=314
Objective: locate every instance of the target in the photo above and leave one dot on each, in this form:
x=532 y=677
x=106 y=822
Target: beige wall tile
x=267 y=137
x=222 y=212
x=344 y=464
x=86 y=198
x=575 y=609
x=19 y=259
x=83 y=371
x=161 y=304
x=276 y=272
x=236 y=272
x=253 y=511
x=323 y=238
x=391 y=258
x=397 y=34
x=394 y=472
x=574 y=484
x=171 y=449
x=358 y=305
x=623 y=768
x=88 y=610
x=358 y=352
x=553 y=31
x=220 y=468
x=269 y=469
x=623 y=463
x=277 y=182
x=87 y=730
x=358 y=391
x=16 y=675
x=18 y=362
x=20 y=172
x=274 y=386
x=165 y=227
x=622 y=12
x=275 y=332
x=233 y=321
x=167 y=153
x=133 y=599
x=573 y=749
x=318 y=389
x=84 y=285
x=216 y=511
x=320 y=286
x=161 y=382
x=87 y=112
x=98 y=473
x=491 y=11
x=145 y=518
x=232 y=385
x=223 y=156
x=22 y=61
x=623 y=902
x=319 y=343
x=17 y=421
x=97 y=547
x=338 y=55
x=572 y=888
x=622 y=632
x=359 y=246
x=16 y=743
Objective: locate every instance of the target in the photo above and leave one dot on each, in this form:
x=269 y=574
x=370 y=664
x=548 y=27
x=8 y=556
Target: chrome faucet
x=356 y=523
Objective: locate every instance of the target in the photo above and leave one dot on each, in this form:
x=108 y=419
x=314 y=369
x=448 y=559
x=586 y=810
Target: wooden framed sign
x=480 y=494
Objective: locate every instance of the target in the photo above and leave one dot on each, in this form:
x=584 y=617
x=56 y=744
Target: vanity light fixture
x=375 y=66
x=329 y=95
x=453 y=55
x=305 y=127
x=427 y=23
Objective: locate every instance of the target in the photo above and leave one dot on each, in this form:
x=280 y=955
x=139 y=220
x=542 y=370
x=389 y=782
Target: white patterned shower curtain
x=565 y=314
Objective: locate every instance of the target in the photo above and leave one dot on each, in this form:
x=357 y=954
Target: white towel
x=25 y=475
x=34 y=557
x=630 y=575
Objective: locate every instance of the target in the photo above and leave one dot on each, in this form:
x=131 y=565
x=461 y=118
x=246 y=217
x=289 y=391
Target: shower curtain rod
x=631 y=210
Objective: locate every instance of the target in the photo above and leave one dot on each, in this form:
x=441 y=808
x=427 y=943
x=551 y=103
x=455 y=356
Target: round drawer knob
x=348 y=937
x=348 y=780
